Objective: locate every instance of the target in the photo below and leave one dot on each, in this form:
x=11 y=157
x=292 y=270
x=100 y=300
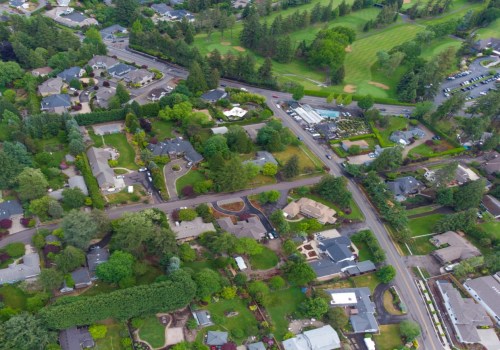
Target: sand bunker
x=348 y=48
x=380 y=85
x=225 y=43
x=239 y=48
x=350 y=88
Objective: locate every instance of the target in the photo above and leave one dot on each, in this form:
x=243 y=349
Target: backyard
x=191 y=178
x=421 y=246
x=283 y=303
x=424 y=225
x=13 y=297
x=395 y=123
x=152 y=331
x=306 y=159
x=123 y=197
x=112 y=340
x=429 y=148
x=389 y=337
x=492 y=226
x=265 y=260
x=127 y=153
x=369 y=280
x=162 y=129
x=355 y=214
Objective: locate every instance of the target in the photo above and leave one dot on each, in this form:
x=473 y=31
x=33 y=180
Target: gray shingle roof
x=79 y=182
x=81 y=277
x=214 y=95
x=27 y=268
x=337 y=248
x=256 y=346
x=98 y=160
x=69 y=74
x=404 y=186
x=108 y=33
x=176 y=147
x=55 y=101
x=216 y=338
x=75 y=338
x=406 y=136
x=161 y=8
x=95 y=257
x=9 y=208
x=323 y=338
x=262 y=158
x=252 y=227
x=202 y=317
x=325 y=267
x=51 y=86
x=120 y=69
x=458 y=247
x=487 y=289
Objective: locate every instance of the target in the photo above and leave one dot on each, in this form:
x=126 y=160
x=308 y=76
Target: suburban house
x=26 y=267
x=19 y=4
x=463 y=175
x=78 y=181
x=457 y=248
x=261 y=158
x=176 y=148
x=58 y=103
x=256 y=346
x=139 y=77
x=103 y=95
x=76 y=338
x=202 y=318
x=81 y=278
x=41 y=72
x=112 y=32
x=492 y=165
x=492 y=205
x=161 y=9
x=10 y=208
x=491 y=43
x=178 y=15
x=95 y=257
x=338 y=249
x=235 y=112
x=405 y=186
x=102 y=62
x=252 y=227
x=157 y=93
x=240 y=262
x=253 y=129
x=120 y=70
x=98 y=160
x=71 y=73
x=328 y=130
x=216 y=338
x=404 y=138
x=360 y=308
x=365 y=159
x=188 y=230
x=214 y=95
x=69 y=17
x=324 y=338
x=311 y=209
x=50 y=86
x=486 y=291
x=464 y=313
x=221 y=130
x=346 y=144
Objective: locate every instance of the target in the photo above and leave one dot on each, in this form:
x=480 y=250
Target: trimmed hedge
x=340 y=151
x=383 y=143
x=100 y=117
x=381 y=100
x=367 y=236
x=440 y=133
x=355 y=138
x=159 y=182
x=82 y=163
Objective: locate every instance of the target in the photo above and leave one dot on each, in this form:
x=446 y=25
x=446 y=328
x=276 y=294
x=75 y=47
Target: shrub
x=94 y=191
x=5 y=223
x=15 y=250
x=188 y=191
x=187 y=214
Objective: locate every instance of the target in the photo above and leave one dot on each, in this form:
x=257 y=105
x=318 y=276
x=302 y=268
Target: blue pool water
x=327 y=113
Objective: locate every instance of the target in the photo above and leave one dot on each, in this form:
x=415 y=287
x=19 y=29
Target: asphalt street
x=404 y=281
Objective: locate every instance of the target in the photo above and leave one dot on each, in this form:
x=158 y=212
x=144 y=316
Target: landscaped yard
x=389 y=337
x=123 y=197
x=265 y=260
x=245 y=321
x=152 y=331
x=421 y=210
x=395 y=123
x=192 y=177
x=283 y=303
x=162 y=129
x=492 y=227
x=13 y=297
x=197 y=266
x=369 y=280
x=355 y=214
x=127 y=154
x=425 y=150
x=424 y=225
x=421 y=246
x=306 y=159
x=112 y=341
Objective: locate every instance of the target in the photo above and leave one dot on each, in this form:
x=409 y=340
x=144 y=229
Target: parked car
x=141 y=170
x=328 y=156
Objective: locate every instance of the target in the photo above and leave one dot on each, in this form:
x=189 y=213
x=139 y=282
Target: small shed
x=241 y=263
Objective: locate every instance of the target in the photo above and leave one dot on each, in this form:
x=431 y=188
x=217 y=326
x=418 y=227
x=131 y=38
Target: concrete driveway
x=425 y=261
x=141 y=178
x=171 y=176
x=384 y=317
x=428 y=136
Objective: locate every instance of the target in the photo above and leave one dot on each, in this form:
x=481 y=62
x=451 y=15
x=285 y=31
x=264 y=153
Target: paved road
x=383 y=316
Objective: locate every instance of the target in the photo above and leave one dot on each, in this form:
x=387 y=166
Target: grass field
x=192 y=177
x=424 y=225
x=152 y=331
x=127 y=154
x=306 y=160
x=265 y=260
x=490 y=31
x=282 y=304
x=13 y=297
x=112 y=341
x=244 y=321
x=162 y=129
x=389 y=337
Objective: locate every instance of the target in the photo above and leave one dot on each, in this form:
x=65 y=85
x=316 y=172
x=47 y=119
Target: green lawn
x=192 y=177
x=152 y=331
x=492 y=227
x=96 y=139
x=369 y=280
x=421 y=246
x=423 y=150
x=244 y=321
x=395 y=123
x=162 y=129
x=197 y=266
x=13 y=297
x=265 y=260
x=282 y=304
x=424 y=225
x=364 y=252
x=421 y=210
x=112 y=341
x=490 y=31
x=127 y=153
x=150 y=276
x=438 y=46
x=305 y=160
x=389 y=337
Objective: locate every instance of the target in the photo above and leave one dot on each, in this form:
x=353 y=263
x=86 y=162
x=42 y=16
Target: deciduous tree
x=69 y=259
x=79 y=228
x=32 y=184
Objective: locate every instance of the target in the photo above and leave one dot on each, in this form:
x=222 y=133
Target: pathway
x=171 y=176
x=428 y=136
x=383 y=316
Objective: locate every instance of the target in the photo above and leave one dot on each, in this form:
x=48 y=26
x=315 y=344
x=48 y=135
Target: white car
x=120 y=177
x=150 y=179
x=141 y=170
x=243 y=89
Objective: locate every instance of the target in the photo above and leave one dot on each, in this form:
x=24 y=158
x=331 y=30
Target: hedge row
x=82 y=163
x=383 y=143
x=100 y=117
x=367 y=237
x=437 y=131
x=159 y=182
x=339 y=151
x=354 y=138
x=381 y=100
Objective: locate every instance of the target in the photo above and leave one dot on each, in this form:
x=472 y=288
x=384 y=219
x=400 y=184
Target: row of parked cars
x=459 y=75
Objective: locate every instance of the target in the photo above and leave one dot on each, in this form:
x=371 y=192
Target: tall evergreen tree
x=196 y=79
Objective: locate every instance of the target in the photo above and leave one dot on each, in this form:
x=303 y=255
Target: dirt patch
x=239 y=48
x=379 y=85
x=406 y=1
x=235 y=206
x=204 y=111
x=348 y=48
x=225 y=43
x=349 y=88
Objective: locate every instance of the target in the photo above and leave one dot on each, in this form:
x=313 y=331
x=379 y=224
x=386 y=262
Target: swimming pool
x=327 y=113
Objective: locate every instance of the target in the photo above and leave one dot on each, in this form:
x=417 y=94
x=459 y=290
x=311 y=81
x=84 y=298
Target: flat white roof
x=235 y=112
x=219 y=130
x=308 y=114
x=240 y=262
x=370 y=344
x=343 y=298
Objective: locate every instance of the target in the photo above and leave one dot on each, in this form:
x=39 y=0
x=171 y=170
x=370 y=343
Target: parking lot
x=474 y=88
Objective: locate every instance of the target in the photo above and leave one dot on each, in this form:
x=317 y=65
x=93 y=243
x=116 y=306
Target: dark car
x=328 y=156
x=274 y=96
